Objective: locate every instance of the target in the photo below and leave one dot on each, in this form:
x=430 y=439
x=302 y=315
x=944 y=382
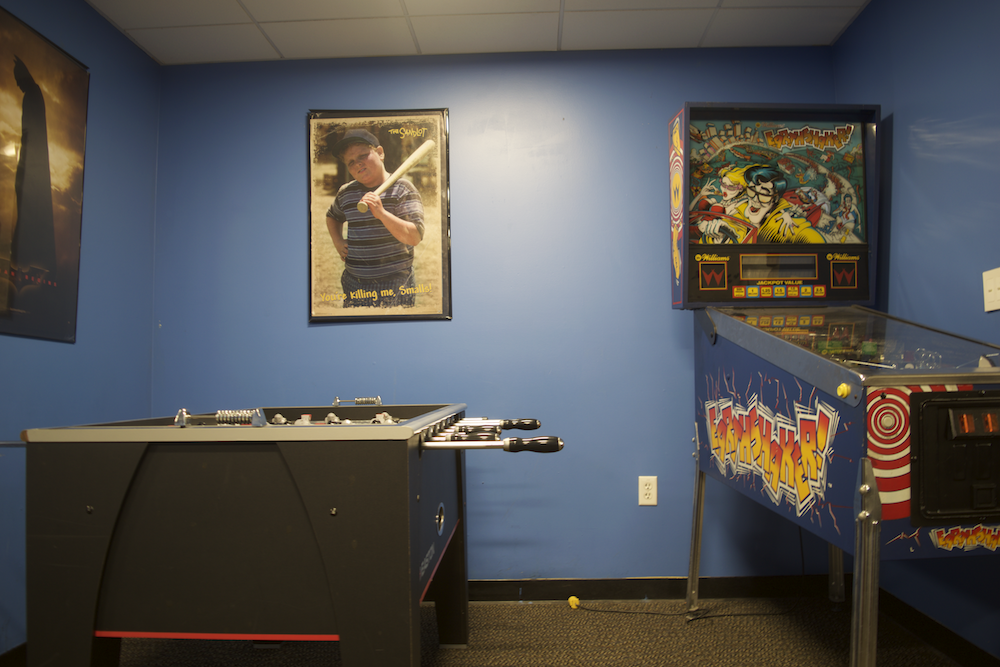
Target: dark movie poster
x=43 y=122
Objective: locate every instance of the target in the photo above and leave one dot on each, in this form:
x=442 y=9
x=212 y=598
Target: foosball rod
x=482 y=426
x=541 y=445
x=503 y=424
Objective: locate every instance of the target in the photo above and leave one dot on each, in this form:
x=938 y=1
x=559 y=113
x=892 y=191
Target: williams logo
x=844 y=275
x=712 y=275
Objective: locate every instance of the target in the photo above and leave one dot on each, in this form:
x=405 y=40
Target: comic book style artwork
x=776 y=182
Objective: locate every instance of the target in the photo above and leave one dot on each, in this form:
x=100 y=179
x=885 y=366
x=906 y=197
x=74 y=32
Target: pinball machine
x=879 y=435
x=327 y=523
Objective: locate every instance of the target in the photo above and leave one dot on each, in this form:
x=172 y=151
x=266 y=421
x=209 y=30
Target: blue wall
x=560 y=278
x=560 y=272
x=106 y=374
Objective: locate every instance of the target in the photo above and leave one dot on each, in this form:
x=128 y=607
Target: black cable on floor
x=694 y=615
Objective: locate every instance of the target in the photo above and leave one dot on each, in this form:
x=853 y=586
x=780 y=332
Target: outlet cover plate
x=991 y=290
x=647 y=489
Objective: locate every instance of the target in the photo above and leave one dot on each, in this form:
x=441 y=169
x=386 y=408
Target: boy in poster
x=378 y=249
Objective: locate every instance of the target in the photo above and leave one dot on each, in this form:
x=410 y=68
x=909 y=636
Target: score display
x=971 y=423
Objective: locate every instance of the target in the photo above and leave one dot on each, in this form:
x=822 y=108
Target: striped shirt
x=373 y=252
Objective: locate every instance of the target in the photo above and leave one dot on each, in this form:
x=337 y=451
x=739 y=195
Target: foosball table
x=327 y=523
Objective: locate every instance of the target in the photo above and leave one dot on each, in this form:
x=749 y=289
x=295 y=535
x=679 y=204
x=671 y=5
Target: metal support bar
x=696 y=520
x=867 y=530
x=836 y=574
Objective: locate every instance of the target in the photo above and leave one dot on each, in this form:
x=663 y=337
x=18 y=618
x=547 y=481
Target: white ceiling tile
x=458 y=7
x=129 y=14
x=348 y=38
x=204 y=44
x=777 y=27
x=308 y=10
x=488 y=33
x=674 y=28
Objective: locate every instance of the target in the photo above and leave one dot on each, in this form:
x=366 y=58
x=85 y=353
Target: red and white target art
x=888 y=428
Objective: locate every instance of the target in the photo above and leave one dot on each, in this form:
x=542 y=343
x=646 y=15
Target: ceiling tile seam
x=409 y=24
x=407 y=15
x=756 y=8
x=708 y=26
x=643 y=10
x=262 y=31
x=382 y=18
x=562 y=13
x=185 y=25
x=453 y=14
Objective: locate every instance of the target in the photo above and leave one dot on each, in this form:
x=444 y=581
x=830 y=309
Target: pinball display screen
x=773 y=205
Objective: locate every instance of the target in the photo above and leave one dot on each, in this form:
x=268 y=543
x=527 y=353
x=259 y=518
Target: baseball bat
x=408 y=163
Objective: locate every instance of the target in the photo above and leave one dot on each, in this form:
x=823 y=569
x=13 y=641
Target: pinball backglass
x=773 y=205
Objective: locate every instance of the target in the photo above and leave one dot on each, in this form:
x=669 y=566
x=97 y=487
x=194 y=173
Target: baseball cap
x=354 y=137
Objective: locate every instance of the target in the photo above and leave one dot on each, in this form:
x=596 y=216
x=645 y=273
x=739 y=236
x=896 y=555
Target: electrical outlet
x=647 y=490
x=991 y=289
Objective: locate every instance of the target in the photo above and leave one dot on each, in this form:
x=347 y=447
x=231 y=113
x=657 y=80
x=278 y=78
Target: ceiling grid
x=203 y=31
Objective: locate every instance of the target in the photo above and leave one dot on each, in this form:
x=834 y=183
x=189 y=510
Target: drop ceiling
x=175 y=32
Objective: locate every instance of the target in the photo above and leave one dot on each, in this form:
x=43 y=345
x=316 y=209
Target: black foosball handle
x=502 y=425
x=542 y=445
x=520 y=424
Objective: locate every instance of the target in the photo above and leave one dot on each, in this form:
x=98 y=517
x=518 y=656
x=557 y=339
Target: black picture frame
x=371 y=283
x=44 y=93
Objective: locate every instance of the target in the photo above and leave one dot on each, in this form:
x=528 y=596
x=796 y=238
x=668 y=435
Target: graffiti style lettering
x=836 y=138
x=967 y=539
x=791 y=454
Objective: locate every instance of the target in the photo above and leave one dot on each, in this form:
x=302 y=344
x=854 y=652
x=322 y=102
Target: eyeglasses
x=767 y=194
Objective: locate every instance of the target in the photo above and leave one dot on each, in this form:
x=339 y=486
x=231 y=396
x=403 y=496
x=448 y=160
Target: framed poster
x=43 y=126
x=379 y=215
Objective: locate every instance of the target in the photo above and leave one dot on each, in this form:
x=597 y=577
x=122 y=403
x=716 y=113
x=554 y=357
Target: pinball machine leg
x=864 y=615
x=696 y=520
x=835 y=577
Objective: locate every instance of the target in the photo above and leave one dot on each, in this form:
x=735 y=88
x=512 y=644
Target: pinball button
x=844 y=390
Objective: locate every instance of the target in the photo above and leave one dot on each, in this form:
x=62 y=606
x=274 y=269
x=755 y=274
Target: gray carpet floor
x=806 y=632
